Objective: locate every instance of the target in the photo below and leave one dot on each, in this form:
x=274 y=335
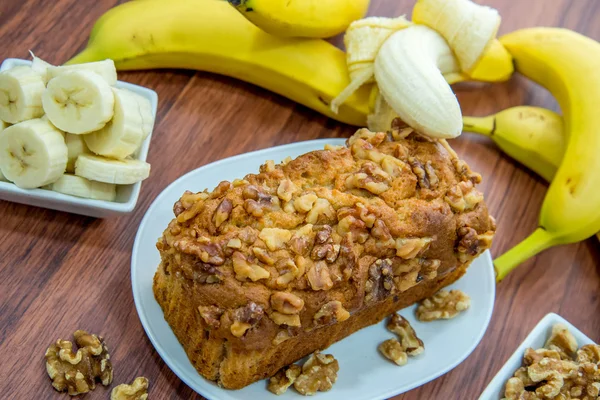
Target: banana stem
x=538 y=241
x=483 y=125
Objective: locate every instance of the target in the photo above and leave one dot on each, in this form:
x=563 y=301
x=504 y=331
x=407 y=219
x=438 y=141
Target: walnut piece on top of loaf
x=267 y=269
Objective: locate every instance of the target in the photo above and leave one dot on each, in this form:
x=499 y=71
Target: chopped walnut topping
x=77 y=372
x=319 y=373
x=392 y=166
x=376 y=183
x=234 y=243
x=239 y=182
x=333 y=147
x=354 y=226
x=463 y=197
x=563 y=340
x=302 y=239
x=443 y=305
x=239 y=329
x=263 y=255
x=286 y=303
x=275 y=238
x=426 y=175
x=363 y=150
x=374 y=138
x=470 y=243
x=408 y=248
x=304 y=204
x=285 y=319
x=393 y=350
x=291 y=270
x=331 y=312
x=138 y=390
x=381 y=232
x=319 y=277
x=245 y=318
x=207 y=251
x=211 y=315
x=245 y=270
x=269 y=166
x=220 y=190
x=222 y=212
x=320 y=207
x=286 y=190
x=465 y=172
x=283 y=379
x=281 y=337
x=381 y=281
x=411 y=344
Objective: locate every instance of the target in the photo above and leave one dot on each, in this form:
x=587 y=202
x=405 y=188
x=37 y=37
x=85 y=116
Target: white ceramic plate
x=127 y=195
x=535 y=340
x=364 y=373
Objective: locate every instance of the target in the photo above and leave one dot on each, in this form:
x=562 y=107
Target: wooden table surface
x=61 y=272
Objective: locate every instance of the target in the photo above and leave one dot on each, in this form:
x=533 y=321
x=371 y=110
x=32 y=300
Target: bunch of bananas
x=291 y=60
x=561 y=150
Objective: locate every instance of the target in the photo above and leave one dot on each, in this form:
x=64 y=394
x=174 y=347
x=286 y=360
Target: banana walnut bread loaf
x=263 y=271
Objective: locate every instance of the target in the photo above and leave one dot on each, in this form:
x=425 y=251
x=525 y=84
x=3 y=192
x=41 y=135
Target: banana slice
x=120 y=172
x=40 y=66
x=21 y=91
x=147 y=115
x=78 y=102
x=75 y=147
x=106 y=69
x=32 y=153
x=123 y=135
x=81 y=187
x=3 y=125
x=468 y=28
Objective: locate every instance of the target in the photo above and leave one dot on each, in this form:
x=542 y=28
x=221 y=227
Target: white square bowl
x=536 y=339
x=127 y=195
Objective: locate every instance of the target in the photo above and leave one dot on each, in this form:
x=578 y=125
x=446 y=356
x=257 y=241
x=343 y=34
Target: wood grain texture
x=61 y=272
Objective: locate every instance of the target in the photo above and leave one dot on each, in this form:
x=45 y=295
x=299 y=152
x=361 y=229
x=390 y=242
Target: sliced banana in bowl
x=124 y=134
x=33 y=153
x=78 y=102
x=81 y=187
x=21 y=91
x=43 y=160
x=102 y=169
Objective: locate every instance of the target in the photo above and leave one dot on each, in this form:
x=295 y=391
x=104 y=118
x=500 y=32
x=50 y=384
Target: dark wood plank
x=61 y=272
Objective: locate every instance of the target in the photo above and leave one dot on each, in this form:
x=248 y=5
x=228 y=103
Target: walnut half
x=393 y=350
x=138 y=390
x=77 y=372
x=411 y=344
x=319 y=373
x=443 y=305
x=283 y=379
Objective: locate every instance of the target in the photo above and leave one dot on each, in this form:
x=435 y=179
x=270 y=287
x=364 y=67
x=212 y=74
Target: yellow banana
x=568 y=65
x=306 y=18
x=533 y=136
x=210 y=35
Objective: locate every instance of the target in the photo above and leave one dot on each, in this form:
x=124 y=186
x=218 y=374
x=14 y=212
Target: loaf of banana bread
x=262 y=271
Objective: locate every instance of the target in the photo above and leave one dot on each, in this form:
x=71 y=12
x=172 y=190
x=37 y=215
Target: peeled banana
x=33 y=153
x=21 y=91
x=469 y=28
x=78 y=101
x=306 y=18
x=568 y=65
x=212 y=36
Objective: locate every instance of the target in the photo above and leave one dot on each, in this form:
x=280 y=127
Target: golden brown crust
x=373 y=226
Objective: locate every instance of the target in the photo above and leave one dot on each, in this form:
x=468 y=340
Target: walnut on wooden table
x=77 y=372
x=443 y=305
x=138 y=390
